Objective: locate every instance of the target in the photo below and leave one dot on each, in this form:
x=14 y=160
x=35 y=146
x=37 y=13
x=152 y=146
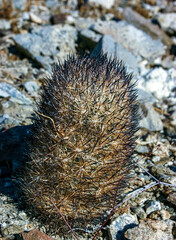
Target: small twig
x=74 y=234
x=112 y=211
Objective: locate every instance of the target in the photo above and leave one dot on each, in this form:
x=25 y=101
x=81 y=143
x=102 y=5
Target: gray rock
x=13 y=228
x=90 y=37
x=108 y=16
x=141 y=149
x=108 y=45
x=20 y=4
x=152 y=206
x=25 y=16
x=104 y=3
x=144 y=96
x=131 y=38
x=41 y=12
x=45 y=44
x=159 y=83
x=7 y=90
x=139 y=211
x=167 y=22
x=52 y=3
x=120 y=224
x=151 y=120
x=5 y=24
x=32 y=87
x=152 y=229
x=146 y=25
x=80 y=22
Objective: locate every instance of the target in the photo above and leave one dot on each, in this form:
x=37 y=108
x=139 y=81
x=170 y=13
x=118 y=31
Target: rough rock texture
x=151 y=229
x=46 y=44
x=137 y=41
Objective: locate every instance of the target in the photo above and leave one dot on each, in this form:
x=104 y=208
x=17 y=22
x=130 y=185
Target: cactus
x=82 y=142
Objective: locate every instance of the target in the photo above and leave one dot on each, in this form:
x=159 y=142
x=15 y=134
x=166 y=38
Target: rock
x=17 y=70
x=165 y=214
x=32 y=87
x=89 y=37
x=160 y=215
x=152 y=229
x=10 y=237
x=173 y=117
x=161 y=149
x=159 y=83
x=142 y=149
x=167 y=22
x=145 y=25
x=109 y=46
x=104 y=3
x=6 y=121
x=108 y=16
x=6 y=90
x=172 y=198
x=162 y=172
x=121 y=224
x=19 y=4
x=34 y=234
x=131 y=38
x=52 y=4
x=5 y=24
x=152 y=206
x=40 y=11
x=34 y=18
x=156 y=159
x=139 y=211
x=8 y=229
x=80 y=22
x=151 y=120
x=45 y=44
x=144 y=96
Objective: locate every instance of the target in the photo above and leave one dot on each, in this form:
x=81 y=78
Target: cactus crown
x=82 y=141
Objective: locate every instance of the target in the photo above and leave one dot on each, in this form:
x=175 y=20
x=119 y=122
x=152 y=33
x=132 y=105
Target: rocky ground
x=33 y=35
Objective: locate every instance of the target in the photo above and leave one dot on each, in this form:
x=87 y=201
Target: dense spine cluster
x=82 y=141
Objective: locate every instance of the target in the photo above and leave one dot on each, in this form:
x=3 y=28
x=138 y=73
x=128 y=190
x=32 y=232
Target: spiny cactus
x=82 y=142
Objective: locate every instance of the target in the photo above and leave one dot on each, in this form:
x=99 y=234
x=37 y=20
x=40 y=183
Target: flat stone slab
x=107 y=45
x=47 y=44
x=131 y=38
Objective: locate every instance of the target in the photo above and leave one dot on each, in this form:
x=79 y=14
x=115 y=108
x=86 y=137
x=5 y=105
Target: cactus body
x=82 y=141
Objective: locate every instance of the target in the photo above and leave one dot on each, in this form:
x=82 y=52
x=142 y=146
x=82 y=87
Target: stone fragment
x=150 y=120
x=121 y=224
x=172 y=198
x=34 y=234
x=89 y=37
x=19 y=4
x=144 y=96
x=131 y=38
x=9 y=229
x=46 y=44
x=104 y=3
x=32 y=87
x=152 y=206
x=7 y=90
x=5 y=24
x=167 y=22
x=34 y=18
x=109 y=46
x=152 y=229
x=142 y=149
x=139 y=211
x=159 y=83
x=145 y=25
